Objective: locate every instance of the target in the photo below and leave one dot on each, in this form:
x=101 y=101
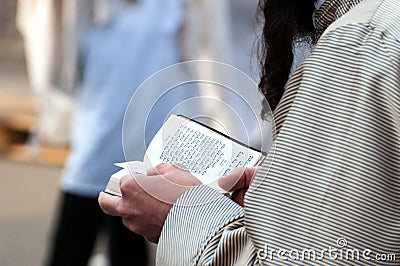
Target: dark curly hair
x=284 y=23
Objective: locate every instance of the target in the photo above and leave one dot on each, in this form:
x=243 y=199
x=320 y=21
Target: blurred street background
x=35 y=124
x=28 y=190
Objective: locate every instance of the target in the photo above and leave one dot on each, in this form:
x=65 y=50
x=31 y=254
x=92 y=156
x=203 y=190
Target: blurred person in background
x=106 y=48
x=130 y=44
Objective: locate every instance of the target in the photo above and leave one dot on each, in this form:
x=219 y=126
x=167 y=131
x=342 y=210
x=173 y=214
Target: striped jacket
x=328 y=192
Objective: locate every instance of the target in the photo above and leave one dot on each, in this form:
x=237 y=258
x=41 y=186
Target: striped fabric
x=330 y=185
x=202 y=239
x=330 y=11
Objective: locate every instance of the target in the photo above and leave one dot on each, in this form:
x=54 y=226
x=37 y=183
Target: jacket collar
x=330 y=11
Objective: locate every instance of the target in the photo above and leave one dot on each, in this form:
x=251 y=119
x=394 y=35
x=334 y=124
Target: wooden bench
x=17 y=120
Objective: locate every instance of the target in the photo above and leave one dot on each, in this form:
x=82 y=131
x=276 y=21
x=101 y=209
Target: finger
x=238 y=196
x=177 y=174
x=152 y=172
x=181 y=167
x=129 y=184
x=109 y=203
x=125 y=178
x=162 y=168
x=239 y=178
x=181 y=179
x=233 y=180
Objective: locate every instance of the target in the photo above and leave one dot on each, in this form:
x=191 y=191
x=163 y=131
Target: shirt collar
x=330 y=11
x=318 y=4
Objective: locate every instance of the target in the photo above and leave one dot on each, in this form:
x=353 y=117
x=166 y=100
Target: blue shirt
x=117 y=58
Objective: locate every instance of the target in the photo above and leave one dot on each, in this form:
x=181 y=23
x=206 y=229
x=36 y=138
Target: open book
x=206 y=153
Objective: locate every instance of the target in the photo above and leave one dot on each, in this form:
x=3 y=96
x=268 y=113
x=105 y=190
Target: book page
x=205 y=153
x=135 y=167
x=128 y=168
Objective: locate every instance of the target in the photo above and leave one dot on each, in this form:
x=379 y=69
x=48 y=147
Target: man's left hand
x=147 y=199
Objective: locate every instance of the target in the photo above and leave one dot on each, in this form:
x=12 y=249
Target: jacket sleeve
x=205 y=227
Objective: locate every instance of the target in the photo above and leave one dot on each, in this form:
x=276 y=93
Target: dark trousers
x=76 y=228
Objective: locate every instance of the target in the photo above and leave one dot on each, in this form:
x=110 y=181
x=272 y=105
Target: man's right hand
x=238 y=182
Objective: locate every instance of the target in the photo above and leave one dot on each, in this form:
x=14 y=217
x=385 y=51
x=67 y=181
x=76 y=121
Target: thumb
x=238 y=179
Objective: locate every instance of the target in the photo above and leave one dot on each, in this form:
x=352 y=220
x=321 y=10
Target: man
x=328 y=192
x=105 y=92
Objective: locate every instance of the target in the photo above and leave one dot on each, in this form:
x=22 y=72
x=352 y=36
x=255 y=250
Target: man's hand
x=147 y=199
x=238 y=182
